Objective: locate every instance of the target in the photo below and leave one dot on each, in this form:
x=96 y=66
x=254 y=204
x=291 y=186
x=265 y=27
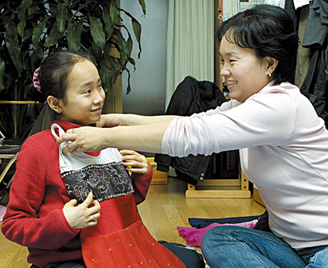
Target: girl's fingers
x=88 y=201
x=126 y=151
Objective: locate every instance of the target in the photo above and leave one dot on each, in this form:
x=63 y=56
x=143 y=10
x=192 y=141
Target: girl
x=80 y=210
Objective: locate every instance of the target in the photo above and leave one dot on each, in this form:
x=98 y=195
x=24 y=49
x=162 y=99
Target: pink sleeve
x=260 y=120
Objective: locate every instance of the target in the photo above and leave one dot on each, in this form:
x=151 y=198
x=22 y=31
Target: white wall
x=147 y=96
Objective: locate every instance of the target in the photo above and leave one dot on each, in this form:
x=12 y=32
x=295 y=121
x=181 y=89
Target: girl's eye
x=87 y=91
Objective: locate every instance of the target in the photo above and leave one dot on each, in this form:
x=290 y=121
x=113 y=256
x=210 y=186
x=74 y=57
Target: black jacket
x=191 y=96
x=315 y=84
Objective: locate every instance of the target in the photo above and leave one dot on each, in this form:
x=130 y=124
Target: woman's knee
x=219 y=234
x=320 y=259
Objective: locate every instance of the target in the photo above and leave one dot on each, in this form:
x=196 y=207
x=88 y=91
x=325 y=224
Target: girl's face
x=84 y=95
x=244 y=72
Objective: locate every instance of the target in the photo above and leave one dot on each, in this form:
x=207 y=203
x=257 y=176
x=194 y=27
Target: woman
x=283 y=144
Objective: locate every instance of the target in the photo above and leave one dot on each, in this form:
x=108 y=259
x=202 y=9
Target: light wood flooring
x=165 y=208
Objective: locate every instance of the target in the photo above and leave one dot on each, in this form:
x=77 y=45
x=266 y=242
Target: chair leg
x=5 y=185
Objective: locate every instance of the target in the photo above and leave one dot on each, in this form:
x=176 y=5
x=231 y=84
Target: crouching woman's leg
x=233 y=246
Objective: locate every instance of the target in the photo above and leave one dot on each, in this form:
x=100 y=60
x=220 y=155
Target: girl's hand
x=83 y=215
x=135 y=162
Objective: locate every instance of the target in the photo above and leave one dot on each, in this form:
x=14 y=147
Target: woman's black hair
x=53 y=73
x=269 y=31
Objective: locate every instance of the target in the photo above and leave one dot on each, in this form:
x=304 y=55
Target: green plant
x=30 y=29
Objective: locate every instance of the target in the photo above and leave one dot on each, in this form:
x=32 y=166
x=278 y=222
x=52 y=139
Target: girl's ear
x=271 y=65
x=54 y=104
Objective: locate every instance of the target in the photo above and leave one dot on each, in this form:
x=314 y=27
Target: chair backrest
x=45 y=118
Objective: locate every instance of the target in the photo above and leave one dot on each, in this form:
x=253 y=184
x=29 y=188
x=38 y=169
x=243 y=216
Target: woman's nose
x=224 y=71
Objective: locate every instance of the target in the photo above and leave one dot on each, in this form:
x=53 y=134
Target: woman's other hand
x=110 y=120
x=135 y=162
x=83 y=215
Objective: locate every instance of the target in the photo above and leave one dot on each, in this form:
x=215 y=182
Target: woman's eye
x=87 y=91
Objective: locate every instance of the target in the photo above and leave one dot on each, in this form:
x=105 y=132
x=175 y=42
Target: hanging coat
x=315 y=84
x=191 y=96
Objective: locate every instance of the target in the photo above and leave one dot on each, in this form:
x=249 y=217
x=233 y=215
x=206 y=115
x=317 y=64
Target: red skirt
x=130 y=247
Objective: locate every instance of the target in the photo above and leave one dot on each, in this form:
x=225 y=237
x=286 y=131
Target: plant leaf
x=37 y=31
x=21 y=11
x=114 y=66
x=136 y=29
x=21 y=27
x=61 y=16
x=15 y=54
x=98 y=35
x=128 y=89
x=143 y=5
x=107 y=20
x=2 y=74
x=53 y=37
x=122 y=46
x=114 y=13
x=106 y=75
x=72 y=36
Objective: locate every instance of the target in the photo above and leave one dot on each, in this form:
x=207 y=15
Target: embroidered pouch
x=104 y=175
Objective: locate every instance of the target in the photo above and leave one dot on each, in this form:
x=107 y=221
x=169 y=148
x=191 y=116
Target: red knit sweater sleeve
x=34 y=216
x=141 y=184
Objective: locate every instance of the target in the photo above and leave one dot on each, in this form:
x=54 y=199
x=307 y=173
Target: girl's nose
x=99 y=97
x=98 y=100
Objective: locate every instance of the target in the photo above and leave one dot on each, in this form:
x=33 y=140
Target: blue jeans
x=233 y=246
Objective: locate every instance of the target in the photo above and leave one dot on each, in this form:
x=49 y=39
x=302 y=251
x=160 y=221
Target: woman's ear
x=271 y=65
x=54 y=104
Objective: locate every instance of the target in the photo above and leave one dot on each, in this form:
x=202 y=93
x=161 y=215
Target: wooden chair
x=220 y=188
x=9 y=148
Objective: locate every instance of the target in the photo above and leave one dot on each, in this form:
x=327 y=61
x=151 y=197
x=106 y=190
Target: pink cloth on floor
x=194 y=235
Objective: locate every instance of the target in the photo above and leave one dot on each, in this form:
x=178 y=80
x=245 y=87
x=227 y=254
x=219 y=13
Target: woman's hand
x=84 y=139
x=135 y=162
x=83 y=215
x=132 y=135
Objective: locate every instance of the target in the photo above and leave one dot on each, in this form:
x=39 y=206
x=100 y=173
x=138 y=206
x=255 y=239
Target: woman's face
x=244 y=72
x=84 y=95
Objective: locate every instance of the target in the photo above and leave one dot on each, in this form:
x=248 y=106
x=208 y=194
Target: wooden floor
x=165 y=208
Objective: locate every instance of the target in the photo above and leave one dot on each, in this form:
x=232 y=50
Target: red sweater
x=34 y=216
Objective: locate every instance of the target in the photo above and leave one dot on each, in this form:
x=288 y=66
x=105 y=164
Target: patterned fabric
x=105 y=181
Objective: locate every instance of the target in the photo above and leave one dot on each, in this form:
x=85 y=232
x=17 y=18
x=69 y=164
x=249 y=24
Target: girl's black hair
x=53 y=73
x=269 y=31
